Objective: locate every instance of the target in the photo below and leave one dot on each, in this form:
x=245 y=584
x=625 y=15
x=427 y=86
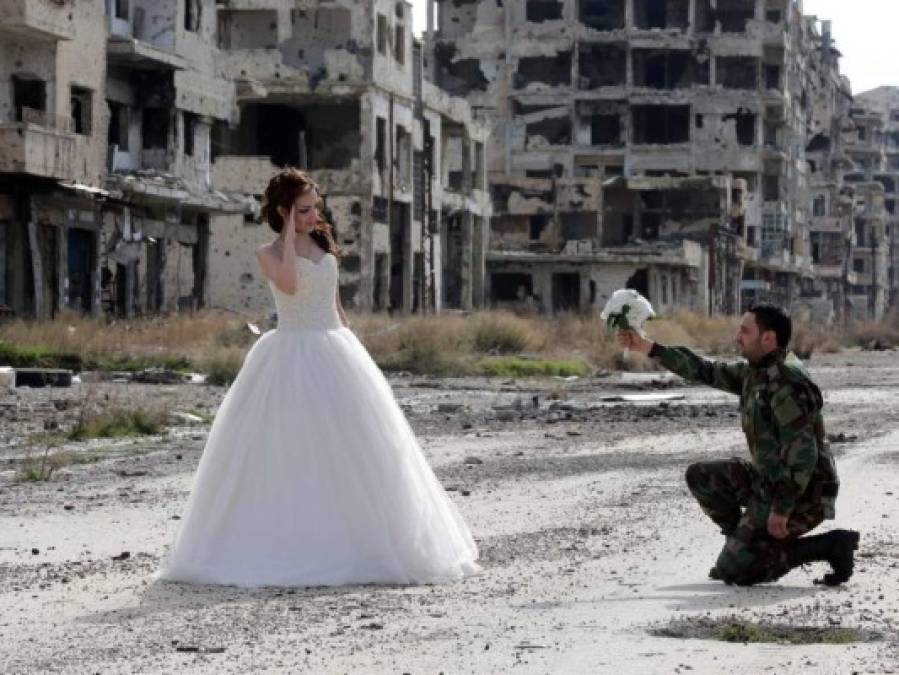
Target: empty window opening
x=381 y=142
x=772 y=77
x=121 y=9
x=553 y=71
x=247 y=29
x=382 y=34
x=458 y=77
x=745 y=127
x=668 y=69
x=734 y=15
x=566 y=291
x=601 y=66
x=404 y=156
x=536 y=224
x=771 y=188
x=30 y=94
x=538 y=173
x=601 y=14
x=639 y=281
x=661 y=124
x=889 y=185
x=399 y=43
x=578 y=225
x=81 y=102
x=538 y=11
x=819 y=206
x=315 y=136
x=511 y=287
x=650 y=14
x=118 y=125
x=477 y=176
x=155 y=128
x=737 y=72
x=192 y=11
x=454 y=159
x=190 y=129
x=605 y=129
x=705 y=17
x=556 y=130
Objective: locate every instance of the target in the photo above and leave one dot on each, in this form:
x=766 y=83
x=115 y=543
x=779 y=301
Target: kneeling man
x=789 y=487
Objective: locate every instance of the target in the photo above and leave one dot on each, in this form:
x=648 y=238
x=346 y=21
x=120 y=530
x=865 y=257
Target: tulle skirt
x=311 y=476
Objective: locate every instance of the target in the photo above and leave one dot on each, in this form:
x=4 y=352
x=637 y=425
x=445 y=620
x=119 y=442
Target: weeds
x=118 y=423
x=513 y=366
x=733 y=629
x=447 y=344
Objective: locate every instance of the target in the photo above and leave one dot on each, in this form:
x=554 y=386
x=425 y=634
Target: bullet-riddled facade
x=669 y=122
x=137 y=138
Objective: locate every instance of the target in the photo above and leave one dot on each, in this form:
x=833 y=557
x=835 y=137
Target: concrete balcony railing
x=43 y=20
x=826 y=224
x=45 y=150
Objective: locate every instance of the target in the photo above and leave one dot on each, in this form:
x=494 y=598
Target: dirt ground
x=589 y=540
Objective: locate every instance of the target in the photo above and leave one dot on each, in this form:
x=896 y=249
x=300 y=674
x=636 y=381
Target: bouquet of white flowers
x=627 y=309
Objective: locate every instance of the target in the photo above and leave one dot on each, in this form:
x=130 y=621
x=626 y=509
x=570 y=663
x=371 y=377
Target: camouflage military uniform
x=791 y=471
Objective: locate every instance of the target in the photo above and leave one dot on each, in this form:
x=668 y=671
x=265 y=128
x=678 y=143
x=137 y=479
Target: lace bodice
x=314 y=304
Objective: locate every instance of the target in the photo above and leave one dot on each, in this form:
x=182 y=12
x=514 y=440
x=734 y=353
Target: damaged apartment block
x=339 y=89
x=137 y=138
x=680 y=120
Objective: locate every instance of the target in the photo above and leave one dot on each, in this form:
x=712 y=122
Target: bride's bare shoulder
x=267 y=250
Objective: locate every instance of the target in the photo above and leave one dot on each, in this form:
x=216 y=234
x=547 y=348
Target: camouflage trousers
x=727 y=492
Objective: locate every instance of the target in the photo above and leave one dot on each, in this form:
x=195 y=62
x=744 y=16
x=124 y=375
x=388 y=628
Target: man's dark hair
x=772 y=317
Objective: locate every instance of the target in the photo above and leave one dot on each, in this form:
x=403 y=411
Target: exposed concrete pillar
x=62 y=263
x=408 y=263
x=629 y=13
x=130 y=285
x=584 y=277
x=37 y=272
x=367 y=268
x=479 y=262
x=466 y=291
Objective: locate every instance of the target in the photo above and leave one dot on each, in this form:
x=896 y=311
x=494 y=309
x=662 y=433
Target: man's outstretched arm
x=686 y=363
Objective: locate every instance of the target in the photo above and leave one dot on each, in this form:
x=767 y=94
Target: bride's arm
x=340 y=312
x=281 y=267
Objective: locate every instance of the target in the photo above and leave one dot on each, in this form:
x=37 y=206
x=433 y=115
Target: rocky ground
x=594 y=556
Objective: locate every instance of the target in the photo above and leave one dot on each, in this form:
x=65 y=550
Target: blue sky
x=865 y=32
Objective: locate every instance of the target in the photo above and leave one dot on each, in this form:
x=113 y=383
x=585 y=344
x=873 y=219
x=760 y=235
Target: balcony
x=40 y=145
x=131 y=53
x=826 y=224
x=41 y=20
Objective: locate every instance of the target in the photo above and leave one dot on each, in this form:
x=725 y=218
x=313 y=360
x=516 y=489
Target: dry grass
x=448 y=344
x=211 y=340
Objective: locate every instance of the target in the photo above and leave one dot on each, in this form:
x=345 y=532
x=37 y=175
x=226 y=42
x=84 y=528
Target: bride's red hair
x=283 y=190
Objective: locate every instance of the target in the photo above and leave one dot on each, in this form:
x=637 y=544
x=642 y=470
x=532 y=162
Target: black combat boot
x=835 y=547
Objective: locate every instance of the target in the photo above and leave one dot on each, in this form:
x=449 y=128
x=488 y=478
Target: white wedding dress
x=311 y=475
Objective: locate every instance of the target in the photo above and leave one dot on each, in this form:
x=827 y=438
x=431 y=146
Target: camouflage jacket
x=781 y=416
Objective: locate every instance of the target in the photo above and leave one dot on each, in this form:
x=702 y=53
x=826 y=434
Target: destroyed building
x=874 y=148
x=337 y=87
x=657 y=144
x=136 y=138
x=105 y=203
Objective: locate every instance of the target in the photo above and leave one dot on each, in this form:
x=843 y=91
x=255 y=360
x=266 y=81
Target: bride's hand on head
x=289 y=229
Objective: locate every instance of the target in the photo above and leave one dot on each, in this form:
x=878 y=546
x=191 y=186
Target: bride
x=311 y=475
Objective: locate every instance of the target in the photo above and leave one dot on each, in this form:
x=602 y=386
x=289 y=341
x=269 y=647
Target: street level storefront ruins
x=567 y=244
